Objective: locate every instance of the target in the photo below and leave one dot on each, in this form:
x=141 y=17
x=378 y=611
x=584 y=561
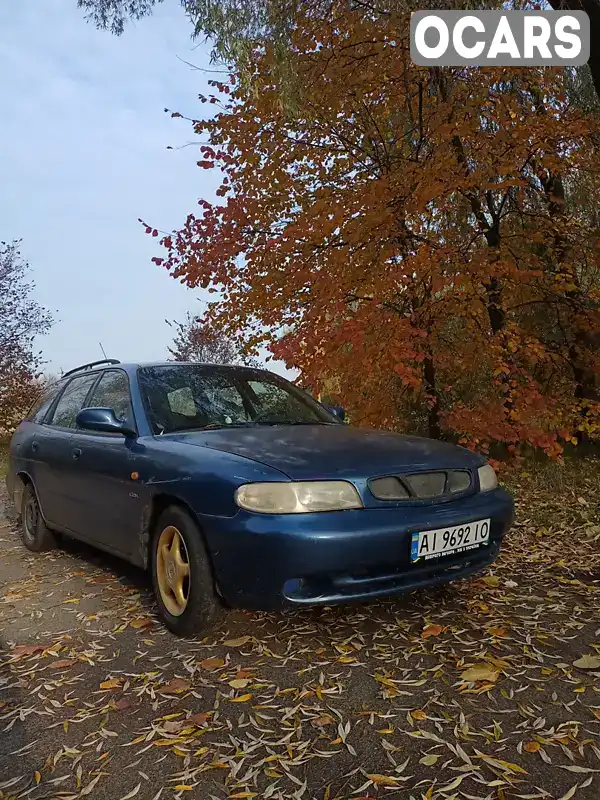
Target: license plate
x=449 y=541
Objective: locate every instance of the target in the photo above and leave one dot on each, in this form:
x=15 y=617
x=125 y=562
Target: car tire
x=35 y=534
x=182 y=575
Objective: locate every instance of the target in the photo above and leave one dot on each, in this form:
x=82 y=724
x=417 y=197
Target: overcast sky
x=83 y=154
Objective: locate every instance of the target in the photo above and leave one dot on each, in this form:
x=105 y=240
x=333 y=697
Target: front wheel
x=182 y=575
x=35 y=533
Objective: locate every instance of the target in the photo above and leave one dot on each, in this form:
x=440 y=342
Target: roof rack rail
x=83 y=367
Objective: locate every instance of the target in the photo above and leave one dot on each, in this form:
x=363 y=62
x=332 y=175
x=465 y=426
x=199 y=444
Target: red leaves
x=357 y=249
x=27 y=650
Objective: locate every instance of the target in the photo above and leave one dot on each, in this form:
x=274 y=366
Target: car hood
x=308 y=452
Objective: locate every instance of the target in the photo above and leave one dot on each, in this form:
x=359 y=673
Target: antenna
x=101 y=348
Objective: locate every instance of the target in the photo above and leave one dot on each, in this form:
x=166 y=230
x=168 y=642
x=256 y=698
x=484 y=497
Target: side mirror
x=103 y=420
x=338 y=412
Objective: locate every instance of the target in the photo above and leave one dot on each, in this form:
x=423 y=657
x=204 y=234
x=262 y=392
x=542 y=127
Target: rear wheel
x=35 y=533
x=182 y=575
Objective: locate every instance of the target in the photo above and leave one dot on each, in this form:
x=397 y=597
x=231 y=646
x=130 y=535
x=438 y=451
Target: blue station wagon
x=236 y=488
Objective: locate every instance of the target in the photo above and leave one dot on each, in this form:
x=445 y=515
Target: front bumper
x=267 y=562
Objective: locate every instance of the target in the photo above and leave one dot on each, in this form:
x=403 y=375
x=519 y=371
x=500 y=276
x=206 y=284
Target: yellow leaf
x=346 y=659
x=418 y=714
x=480 y=672
x=183 y=787
x=506 y=765
x=242 y=640
x=140 y=623
x=532 y=747
x=383 y=780
x=72 y=600
x=242 y=699
x=38 y=776
x=385 y=681
x=491 y=580
x=239 y=683
x=242 y=795
x=113 y=683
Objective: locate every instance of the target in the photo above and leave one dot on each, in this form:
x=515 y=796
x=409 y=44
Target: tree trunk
x=433 y=402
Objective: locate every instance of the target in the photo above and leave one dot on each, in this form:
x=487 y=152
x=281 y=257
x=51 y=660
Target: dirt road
x=467 y=691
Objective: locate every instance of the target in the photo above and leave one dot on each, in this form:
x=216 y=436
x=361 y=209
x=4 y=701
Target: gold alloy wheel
x=173 y=570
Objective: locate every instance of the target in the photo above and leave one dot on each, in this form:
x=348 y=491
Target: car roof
x=132 y=366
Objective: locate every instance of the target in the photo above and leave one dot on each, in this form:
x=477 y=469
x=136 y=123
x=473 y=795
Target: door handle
x=76 y=453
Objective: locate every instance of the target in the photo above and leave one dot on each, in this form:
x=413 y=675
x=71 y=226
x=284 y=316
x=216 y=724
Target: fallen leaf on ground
x=237 y=642
x=140 y=623
x=532 y=747
x=199 y=719
x=431 y=630
x=239 y=683
x=383 y=780
x=480 y=672
x=123 y=703
x=28 y=649
x=242 y=699
x=175 y=686
x=587 y=662
x=63 y=663
x=212 y=663
x=113 y=683
x=320 y=722
x=491 y=580
x=419 y=714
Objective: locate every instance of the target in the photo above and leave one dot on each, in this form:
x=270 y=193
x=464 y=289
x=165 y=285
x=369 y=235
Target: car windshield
x=182 y=397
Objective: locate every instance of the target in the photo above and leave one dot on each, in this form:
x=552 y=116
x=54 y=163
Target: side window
x=72 y=400
x=113 y=392
x=43 y=403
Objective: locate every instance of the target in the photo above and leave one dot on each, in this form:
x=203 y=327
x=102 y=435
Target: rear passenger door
x=50 y=451
x=108 y=503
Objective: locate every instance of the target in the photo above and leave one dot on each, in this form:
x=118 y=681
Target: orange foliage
x=405 y=230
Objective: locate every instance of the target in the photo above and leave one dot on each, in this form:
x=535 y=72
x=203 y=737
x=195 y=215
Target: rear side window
x=113 y=392
x=45 y=400
x=71 y=401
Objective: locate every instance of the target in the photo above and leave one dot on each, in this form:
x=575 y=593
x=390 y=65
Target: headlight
x=298 y=497
x=487 y=478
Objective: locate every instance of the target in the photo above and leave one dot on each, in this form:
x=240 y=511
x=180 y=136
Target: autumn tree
x=195 y=341
x=405 y=231
x=22 y=320
x=236 y=27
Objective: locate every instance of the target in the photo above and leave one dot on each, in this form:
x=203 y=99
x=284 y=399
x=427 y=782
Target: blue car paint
x=261 y=561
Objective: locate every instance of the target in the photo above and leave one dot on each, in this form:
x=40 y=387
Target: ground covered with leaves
x=487 y=688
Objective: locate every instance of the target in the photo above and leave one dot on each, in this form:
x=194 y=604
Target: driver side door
x=110 y=500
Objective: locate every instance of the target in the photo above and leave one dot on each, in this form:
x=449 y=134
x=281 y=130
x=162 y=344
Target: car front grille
x=421 y=485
